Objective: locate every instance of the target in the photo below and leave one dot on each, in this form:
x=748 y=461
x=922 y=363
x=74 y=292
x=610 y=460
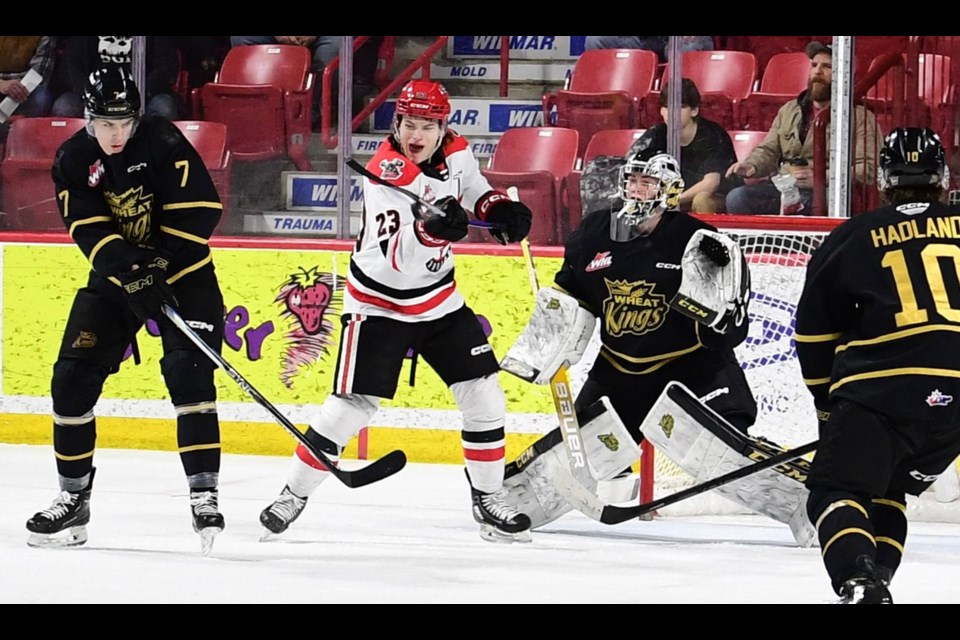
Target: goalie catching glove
x=145 y=287
x=556 y=335
x=715 y=285
x=512 y=218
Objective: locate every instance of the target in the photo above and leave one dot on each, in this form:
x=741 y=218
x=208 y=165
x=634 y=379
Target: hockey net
x=777 y=250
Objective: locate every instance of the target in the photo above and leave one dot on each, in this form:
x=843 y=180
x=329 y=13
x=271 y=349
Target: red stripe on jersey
x=393 y=255
x=413 y=309
x=484 y=455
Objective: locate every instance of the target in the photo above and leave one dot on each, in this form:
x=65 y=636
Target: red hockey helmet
x=424 y=99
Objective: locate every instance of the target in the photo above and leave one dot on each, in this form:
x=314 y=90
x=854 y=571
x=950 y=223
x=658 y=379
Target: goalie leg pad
x=558 y=331
x=531 y=478
x=706 y=446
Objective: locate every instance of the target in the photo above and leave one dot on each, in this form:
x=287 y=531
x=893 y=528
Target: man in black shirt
x=878 y=337
x=139 y=203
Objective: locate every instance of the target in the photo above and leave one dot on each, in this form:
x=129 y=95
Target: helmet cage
x=661 y=167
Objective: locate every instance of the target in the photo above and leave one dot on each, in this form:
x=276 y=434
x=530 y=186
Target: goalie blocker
x=556 y=335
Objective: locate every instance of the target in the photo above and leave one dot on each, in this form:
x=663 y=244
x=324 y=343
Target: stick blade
x=377 y=470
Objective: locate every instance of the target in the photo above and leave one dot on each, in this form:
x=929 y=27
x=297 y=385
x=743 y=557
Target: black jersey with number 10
x=879 y=318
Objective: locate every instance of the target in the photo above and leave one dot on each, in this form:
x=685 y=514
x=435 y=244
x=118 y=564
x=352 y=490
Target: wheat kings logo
x=666 y=424
x=633 y=307
x=132 y=210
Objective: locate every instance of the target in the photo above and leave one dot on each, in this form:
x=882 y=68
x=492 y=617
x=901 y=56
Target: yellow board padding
x=266 y=342
x=257 y=438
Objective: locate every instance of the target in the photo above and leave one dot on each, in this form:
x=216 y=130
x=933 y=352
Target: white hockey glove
x=715 y=288
x=557 y=333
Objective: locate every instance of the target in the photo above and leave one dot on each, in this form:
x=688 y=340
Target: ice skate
x=281 y=513
x=207 y=520
x=866 y=586
x=70 y=512
x=499 y=521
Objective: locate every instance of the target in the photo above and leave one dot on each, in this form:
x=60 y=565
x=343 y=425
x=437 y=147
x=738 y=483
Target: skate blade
x=72 y=537
x=492 y=534
x=207 y=536
x=266 y=535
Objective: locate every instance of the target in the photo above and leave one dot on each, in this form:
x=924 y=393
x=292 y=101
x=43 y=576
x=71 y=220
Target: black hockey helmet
x=111 y=93
x=912 y=157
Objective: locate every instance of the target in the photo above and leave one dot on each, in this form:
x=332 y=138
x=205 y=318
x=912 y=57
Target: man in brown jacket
x=788 y=147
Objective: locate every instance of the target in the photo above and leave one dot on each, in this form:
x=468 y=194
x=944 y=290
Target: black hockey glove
x=146 y=288
x=433 y=229
x=512 y=218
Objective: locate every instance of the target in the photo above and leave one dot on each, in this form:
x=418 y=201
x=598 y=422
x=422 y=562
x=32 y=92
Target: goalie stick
x=376 y=470
x=514 y=195
x=611 y=514
x=359 y=168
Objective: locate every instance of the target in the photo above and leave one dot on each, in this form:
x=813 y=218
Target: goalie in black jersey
x=671 y=295
x=139 y=203
x=878 y=337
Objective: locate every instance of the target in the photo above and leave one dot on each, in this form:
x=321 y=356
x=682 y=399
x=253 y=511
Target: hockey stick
x=437 y=211
x=514 y=194
x=376 y=470
x=568 y=482
x=615 y=515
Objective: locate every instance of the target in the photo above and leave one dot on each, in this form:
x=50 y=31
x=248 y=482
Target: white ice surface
x=407 y=539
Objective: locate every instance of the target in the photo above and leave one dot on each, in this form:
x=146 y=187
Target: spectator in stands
x=788 y=147
x=19 y=54
x=657 y=44
x=84 y=54
x=706 y=152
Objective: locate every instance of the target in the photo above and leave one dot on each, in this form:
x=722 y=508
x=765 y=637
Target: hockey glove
x=434 y=229
x=512 y=218
x=146 y=288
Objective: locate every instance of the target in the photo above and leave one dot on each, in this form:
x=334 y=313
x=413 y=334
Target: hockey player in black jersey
x=140 y=205
x=625 y=266
x=878 y=337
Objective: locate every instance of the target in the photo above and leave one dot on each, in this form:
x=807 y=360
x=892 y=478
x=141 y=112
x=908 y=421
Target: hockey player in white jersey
x=401 y=294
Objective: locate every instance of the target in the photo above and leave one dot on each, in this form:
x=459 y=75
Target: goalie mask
x=912 y=157
x=650 y=183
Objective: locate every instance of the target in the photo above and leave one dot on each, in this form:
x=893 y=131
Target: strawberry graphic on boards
x=308 y=299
